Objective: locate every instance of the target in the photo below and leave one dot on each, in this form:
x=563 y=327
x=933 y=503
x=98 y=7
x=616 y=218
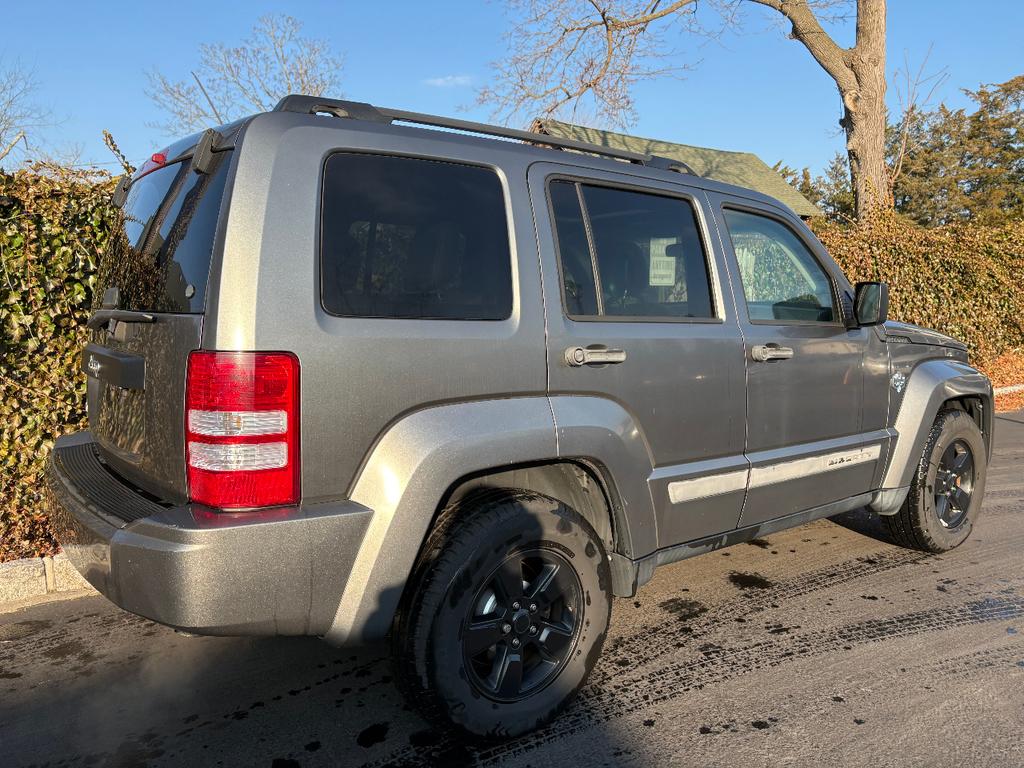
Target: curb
x=1008 y=390
x=39 y=576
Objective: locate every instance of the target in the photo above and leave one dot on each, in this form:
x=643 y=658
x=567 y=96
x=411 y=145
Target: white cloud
x=449 y=81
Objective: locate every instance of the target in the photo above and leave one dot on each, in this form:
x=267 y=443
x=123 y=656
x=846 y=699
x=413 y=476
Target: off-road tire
x=917 y=524
x=458 y=559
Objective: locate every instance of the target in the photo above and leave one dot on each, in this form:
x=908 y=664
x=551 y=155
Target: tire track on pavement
x=639 y=644
x=609 y=700
x=722 y=664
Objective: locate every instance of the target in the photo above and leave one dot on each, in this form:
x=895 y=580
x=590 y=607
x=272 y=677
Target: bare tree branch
x=912 y=106
x=808 y=30
x=206 y=96
x=6 y=150
x=563 y=53
x=20 y=115
x=232 y=81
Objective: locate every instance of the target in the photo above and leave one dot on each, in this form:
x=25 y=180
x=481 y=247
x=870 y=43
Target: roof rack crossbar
x=358 y=110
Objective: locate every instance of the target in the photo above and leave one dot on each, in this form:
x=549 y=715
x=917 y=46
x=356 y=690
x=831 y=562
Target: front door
x=805 y=440
x=637 y=316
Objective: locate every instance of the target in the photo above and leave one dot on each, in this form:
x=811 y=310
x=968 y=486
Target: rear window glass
x=646 y=248
x=409 y=238
x=159 y=254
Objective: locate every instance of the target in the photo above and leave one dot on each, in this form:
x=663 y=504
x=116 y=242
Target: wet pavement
x=823 y=645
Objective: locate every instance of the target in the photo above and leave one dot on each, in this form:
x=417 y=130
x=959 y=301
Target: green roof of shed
x=744 y=169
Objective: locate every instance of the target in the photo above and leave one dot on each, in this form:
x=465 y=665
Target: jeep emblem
x=94 y=365
x=898 y=382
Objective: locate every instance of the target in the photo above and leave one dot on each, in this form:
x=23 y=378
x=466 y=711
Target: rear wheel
x=505 y=616
x=946 y=495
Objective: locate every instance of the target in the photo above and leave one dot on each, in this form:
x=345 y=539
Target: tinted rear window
x=159 y=255
x=647 y=249
x=409 y=238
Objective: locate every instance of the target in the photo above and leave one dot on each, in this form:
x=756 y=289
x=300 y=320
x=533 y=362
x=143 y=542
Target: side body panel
x=807 y=440
x=417 y=460
x=924 y=382
x=406 y=476
x=359 y=375
x=681 y=384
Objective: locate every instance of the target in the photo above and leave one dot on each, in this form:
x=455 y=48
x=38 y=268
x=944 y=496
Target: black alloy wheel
x=954 y=484
x=522 y=624
x=945 y=496
x=504 y=615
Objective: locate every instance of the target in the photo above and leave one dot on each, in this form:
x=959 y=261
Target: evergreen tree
x=961 y=165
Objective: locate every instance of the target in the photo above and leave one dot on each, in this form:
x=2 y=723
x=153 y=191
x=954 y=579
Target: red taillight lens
x=242 y=428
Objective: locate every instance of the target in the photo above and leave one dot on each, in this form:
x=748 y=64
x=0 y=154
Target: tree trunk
x=859 y=73
x=864 y=111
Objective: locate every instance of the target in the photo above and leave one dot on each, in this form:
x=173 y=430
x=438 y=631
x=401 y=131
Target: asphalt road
x=824 y=645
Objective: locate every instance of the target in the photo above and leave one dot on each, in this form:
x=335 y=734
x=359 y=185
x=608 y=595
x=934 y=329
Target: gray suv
x=360 y=378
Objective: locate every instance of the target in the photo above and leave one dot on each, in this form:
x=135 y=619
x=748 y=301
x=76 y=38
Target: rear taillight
x=242 y=428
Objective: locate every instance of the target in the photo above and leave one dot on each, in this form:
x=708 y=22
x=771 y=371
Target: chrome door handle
x=577 y=356
x=762 y=353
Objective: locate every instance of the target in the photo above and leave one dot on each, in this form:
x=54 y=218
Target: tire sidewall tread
x=465 y=545
x=916 y=525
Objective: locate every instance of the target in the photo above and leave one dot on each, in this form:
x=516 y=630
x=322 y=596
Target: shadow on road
x=865 y=523
x=101 y=687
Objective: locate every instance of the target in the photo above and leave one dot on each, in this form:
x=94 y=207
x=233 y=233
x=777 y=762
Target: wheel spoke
x=481 y=635
x=553 y=639
x=963 y=465
x=509 y=580
x=544 y=589
x=508 y=673
x=960 y=499
x=942 y=508
x=948 y=456
x=522 y=624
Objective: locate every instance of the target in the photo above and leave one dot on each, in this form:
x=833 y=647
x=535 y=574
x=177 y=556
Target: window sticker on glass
x=663 y=267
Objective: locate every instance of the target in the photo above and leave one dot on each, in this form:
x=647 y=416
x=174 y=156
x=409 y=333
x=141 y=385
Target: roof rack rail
x=358 y=110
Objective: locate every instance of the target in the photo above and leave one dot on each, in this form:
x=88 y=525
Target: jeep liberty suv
x=359 y=378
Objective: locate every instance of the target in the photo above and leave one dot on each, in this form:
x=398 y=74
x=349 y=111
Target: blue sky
x=756 y=91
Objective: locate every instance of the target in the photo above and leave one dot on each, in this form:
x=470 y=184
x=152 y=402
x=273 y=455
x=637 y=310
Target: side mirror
x=871 y=303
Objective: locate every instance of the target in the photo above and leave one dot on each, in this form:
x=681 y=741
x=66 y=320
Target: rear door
x=805 y=377
x=636 y=314
x=155 y=269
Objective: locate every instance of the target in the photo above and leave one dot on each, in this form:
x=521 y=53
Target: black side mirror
x=871 y=303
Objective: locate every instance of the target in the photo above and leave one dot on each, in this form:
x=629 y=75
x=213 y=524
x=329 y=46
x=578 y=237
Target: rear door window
x=410 y=238
x=159 y=254
x=578 y=285
x=629 y=254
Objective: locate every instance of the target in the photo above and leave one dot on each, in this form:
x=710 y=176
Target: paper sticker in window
x=663 y=268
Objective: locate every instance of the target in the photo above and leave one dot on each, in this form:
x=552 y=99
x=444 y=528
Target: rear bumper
x=279 y=571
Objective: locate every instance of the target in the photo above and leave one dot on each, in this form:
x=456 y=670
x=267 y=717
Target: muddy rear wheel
x=505 y=616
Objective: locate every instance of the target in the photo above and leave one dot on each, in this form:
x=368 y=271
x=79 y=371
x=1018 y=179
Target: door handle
x=762 y=353
x=577 y=356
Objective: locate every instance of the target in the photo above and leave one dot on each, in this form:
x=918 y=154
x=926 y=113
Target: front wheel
x=505 y=616
x=945 y=498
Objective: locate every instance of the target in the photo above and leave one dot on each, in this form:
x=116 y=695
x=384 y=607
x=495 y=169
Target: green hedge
x=961 y=279
x=53 y=224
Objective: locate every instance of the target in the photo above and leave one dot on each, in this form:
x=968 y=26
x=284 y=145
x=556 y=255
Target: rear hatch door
x=152 y=278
